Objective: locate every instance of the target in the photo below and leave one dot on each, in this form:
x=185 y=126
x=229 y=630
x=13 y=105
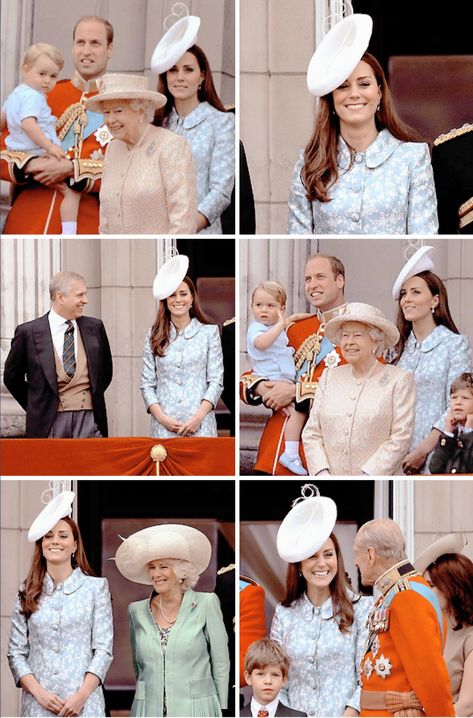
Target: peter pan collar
x=435 y=338
x=191 y=330
x=378 y=152
x=70 y=585
x=194 y=118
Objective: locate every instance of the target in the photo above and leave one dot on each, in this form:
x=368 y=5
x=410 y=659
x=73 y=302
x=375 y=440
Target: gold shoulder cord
x=73 y=114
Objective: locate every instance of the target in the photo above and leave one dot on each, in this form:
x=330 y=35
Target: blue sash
x=94 y=121
x=426 y=593
x=325 y=348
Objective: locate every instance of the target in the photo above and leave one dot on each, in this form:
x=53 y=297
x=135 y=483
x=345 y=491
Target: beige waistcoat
x=74 y=394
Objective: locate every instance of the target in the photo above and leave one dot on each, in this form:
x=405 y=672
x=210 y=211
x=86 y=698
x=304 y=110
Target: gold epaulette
x=467 y=127
x=227 y=322
x=226 y=569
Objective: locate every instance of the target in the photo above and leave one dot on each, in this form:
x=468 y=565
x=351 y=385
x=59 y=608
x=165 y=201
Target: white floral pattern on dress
x=70 y=634
x=436 y=362
x=211 y=136
x=323 y=675
x=190 y=371
x=389 y=189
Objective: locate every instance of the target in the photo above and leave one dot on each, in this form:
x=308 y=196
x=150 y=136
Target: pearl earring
x=433 y=310
x=378 y=108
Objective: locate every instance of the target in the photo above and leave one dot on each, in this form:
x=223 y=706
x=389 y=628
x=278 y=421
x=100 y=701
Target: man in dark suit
x=452 y=162
x=60 y=365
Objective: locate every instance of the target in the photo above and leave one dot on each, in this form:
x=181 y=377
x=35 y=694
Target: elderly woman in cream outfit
x=362 y=418
x=178 y=638
x=148 y=184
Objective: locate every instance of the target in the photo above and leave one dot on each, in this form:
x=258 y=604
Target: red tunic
x=252 y=621
x=35 y=208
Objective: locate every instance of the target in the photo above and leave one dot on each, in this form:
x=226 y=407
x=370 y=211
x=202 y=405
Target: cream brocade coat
x=360 y=426
x=150 y=189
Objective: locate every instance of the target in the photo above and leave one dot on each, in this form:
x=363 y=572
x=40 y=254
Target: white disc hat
x=59 y=507
x=164 y=541
x=421 y=261
x=170 y=276
x=174 y=43
x=307 y=526
x=339 y=52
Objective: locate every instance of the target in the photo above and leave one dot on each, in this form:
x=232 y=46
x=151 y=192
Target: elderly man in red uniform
x=324 y=282
x=83 y=136
x=403 y=672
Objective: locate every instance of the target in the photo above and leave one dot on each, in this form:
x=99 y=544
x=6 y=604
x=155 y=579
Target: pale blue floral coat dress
x=324 y=662
x=389 y=189
x=70 y=634
x=211 y=135
x=190 y=371
x=436 y=362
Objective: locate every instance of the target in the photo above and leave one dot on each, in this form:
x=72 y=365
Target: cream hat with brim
x=174 y=43
x=338 y=54
x=452 y=543
x=54 y=511
x=170 y=276
x=165 y=541
x=123 y=87
x=307 y=526
x=421 y=261
x=365 y=314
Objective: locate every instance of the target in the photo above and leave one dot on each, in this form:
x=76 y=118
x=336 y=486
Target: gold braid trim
x=16 y=158
x=453 y=133
x=68 y=117
x=465 y=213
x=309 y=349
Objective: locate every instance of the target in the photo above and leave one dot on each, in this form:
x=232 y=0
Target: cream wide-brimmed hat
x=365 y=314
x=170 y=276
x=452 y=543
x=174 y=43
x=338 y=54
x=158 y=542
x=307 y=526
x=59 y=507
x=421 y=261
x=115 y=86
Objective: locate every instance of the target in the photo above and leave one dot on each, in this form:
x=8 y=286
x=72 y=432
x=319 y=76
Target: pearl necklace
x=161 y=608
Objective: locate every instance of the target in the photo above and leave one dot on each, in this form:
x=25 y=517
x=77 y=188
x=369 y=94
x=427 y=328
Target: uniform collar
x=378 y=152
x=399 y=571
x=86 y=86
x=188 y=332
x=70 y=585
x=324 y=317
x=198 y=115
x=435 y=337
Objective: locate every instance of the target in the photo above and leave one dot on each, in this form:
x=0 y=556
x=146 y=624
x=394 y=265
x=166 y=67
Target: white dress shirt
x=58 y=326
x=271 y=707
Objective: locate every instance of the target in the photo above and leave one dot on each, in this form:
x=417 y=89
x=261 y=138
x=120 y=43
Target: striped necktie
x=68 y=354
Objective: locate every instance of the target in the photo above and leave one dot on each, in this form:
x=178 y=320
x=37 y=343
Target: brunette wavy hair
x=452 y=574
x=440 y=316
x=206 y=93
x=320 y=171
x=296 y=585
x=159 y=339
x=33 y=587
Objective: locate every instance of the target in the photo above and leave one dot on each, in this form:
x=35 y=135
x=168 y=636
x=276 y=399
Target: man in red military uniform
x=402 y=670
x=324 y=282
x=83 y=136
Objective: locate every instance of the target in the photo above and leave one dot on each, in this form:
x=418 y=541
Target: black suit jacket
x=30 y=372
x=281 y=711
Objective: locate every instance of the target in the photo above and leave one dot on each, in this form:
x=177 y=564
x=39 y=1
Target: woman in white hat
x=148 y=182
x=182 y=369
x=178 y=637
x=363 y=171
x=450 y=574
x=195 y=111
x=431 y=347
x=61 y=637
x=321 y=622
x=363 y=412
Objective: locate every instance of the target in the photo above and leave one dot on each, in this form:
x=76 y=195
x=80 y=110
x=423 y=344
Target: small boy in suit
x=454 y=452
x=266 y=671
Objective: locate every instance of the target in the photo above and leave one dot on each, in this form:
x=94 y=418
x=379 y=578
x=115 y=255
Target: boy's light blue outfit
x=276 y=363
x=25 y=102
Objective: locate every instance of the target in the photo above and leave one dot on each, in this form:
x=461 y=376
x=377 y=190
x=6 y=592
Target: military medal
x=383 y=667
x=368 y=668
x=375 y=647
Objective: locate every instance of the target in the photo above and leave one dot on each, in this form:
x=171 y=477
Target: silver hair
x=185 y=572
x=376 y=334
x=385 y=536
x=61 y=282
x=146 y=105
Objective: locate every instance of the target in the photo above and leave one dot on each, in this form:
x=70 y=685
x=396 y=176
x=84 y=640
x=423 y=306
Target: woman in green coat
x=178 y=638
